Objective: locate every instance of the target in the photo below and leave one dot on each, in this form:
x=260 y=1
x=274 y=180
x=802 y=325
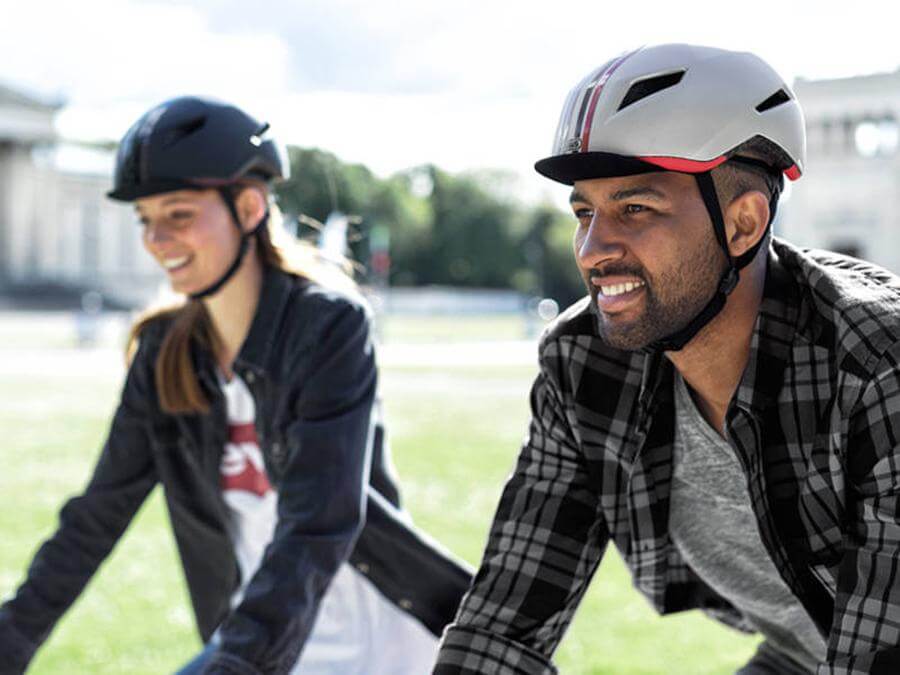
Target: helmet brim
x=128 y=193
x=586 y=165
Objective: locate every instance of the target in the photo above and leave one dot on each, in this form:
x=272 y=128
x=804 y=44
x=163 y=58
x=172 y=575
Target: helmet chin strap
x=228 y=198
x=729 y=279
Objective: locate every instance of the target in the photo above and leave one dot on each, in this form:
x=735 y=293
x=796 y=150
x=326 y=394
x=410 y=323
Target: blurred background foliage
x=465 y=230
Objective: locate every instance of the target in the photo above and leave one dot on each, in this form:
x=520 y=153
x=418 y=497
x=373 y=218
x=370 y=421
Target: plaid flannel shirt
x=815 y=423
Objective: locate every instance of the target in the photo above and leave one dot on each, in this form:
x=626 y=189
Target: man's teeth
x=172 y=263
x=619 y=289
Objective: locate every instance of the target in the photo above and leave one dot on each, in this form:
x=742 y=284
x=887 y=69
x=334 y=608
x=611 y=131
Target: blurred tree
x=549 y=241
x=471 y=241
x=320 y=183
x=450 y=229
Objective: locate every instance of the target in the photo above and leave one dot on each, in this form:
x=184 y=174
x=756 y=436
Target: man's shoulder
x=573 y=335
x=853 y=305
x=576 y=320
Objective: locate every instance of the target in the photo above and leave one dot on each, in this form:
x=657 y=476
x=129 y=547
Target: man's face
x=647 y=252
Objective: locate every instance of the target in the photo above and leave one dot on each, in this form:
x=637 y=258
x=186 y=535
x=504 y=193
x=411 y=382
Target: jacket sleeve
x=409 y=567
x=545 y=543
x=865 y=633
x=321 y=501
x=89 y=526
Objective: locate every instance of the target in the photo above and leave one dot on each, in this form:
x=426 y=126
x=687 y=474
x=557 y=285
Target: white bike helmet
x=681 y=108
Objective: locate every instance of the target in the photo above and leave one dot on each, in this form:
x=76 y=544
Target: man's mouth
x=616 y=293
x=613 y=290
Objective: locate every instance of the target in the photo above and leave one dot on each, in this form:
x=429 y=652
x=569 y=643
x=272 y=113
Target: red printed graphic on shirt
x=242 y=465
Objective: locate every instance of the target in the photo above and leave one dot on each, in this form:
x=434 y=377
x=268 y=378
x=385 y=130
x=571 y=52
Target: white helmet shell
x=674 y=107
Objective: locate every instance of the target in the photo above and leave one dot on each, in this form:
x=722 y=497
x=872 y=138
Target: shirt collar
x=770 y=346
x=772 y=341
x=256 y=351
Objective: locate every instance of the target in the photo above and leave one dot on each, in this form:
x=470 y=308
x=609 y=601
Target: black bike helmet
x=196 y=143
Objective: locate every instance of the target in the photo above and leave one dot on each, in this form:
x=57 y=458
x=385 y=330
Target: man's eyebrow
x=639 y=191
x=576 y=196
x=620 y=195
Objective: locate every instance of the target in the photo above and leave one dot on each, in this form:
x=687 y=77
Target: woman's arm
x=89 y=526
x=321 y=501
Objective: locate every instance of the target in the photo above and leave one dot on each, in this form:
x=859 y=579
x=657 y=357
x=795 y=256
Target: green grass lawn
x=455 y=434
x=453 y=328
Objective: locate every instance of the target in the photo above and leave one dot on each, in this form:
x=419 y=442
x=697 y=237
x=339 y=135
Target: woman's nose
x=155 y=233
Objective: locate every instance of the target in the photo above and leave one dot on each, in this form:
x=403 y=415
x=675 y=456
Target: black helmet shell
x=190 y=142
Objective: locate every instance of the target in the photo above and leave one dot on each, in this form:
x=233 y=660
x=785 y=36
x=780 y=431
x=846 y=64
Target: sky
x=468 y=84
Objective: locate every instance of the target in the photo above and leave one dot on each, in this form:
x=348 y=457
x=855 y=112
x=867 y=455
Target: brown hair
x=177 y=385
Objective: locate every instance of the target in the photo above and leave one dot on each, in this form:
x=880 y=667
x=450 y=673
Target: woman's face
x=191 y=234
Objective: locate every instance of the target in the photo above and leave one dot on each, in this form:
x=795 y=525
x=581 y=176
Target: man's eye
x=635 y=208
x=582 y=214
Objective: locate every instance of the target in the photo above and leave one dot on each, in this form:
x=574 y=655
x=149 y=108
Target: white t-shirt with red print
x=357 y=631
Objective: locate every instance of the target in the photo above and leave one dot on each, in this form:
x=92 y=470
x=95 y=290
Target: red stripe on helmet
x=589 y=118
x=793 y=172
x=684 y=165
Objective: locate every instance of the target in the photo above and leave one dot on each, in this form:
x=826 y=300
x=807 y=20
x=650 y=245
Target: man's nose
x=600 y=243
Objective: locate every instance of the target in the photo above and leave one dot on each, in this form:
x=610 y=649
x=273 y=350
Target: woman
x=254 y=404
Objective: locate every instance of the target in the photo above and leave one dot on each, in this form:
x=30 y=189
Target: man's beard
x=671 y=300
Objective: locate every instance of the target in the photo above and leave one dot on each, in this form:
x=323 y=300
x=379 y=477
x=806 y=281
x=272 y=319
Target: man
x=723 y=407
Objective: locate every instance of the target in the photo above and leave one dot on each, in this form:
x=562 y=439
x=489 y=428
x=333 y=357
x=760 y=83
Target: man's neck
x=713 y=363
x=233 y=307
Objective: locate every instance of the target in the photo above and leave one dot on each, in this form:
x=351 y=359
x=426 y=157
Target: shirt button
x=406 y=604
x=249 y=377
x=362 y=567
x=276 y=448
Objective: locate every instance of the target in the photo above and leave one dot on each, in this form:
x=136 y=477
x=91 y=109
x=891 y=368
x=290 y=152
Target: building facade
x=849 y=196
x=57 y=229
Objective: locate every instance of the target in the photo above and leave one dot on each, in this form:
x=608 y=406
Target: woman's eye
x=180 y=218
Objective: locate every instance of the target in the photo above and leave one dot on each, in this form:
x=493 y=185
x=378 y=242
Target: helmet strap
x=228 y=198
x=727 y=282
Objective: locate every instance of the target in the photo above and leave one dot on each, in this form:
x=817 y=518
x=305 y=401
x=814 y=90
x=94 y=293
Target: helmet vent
x=775 y=100
x=183 y=130
x=644 y=88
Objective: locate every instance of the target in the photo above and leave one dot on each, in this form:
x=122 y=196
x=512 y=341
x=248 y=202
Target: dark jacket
x=309 y=363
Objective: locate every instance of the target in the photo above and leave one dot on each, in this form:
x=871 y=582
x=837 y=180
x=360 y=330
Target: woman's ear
x=746 y=219
x=251 y=205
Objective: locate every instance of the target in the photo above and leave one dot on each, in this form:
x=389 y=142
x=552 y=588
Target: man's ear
x=746 y=219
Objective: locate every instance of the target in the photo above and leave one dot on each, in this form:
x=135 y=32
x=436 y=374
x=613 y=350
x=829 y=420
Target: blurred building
x=58 y=233
x=849 y=198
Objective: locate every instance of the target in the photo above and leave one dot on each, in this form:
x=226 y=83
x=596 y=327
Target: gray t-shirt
x=712 y=523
